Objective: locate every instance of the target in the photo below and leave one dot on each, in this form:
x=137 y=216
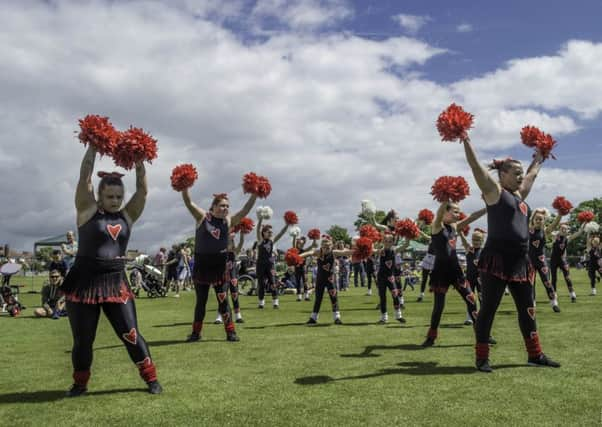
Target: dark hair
x=390 y=215
x=265 y=228
x=218 y=198
x=503 y=165
x=56 y=252
x=109 y=178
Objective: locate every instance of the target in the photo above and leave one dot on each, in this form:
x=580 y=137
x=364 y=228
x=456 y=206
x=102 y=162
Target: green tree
x=339 y=233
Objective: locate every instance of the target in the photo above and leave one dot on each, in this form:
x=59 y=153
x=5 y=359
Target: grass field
x=283 y=372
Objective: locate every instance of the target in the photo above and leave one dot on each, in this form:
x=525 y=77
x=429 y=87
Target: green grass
x=285 y=373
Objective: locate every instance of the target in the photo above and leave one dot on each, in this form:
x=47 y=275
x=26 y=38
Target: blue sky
x=334 y=100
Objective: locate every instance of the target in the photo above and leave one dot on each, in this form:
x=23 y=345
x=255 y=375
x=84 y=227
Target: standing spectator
x=171 y=266
x=69 y=249
x=58 y=263
x=160 y=258
x=358 y=268
x=343 y=263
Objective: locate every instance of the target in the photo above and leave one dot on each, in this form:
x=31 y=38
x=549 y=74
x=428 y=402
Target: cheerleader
x=211 y=257
x=558 y=257
x=386 y=278
x=594 y=264
x=97 y=281
x=300 y=270
x=447 y=270
x=504 y=261
x=325 y=279
x=538 y=235
x=472 y=260
x=266 y=263
x=232 y=272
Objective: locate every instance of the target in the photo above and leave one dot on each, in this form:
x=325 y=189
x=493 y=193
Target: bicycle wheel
x=246 y=285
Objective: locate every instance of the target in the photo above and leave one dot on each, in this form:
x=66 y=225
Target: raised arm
x=577 y=233
x=258 y=230
x=241 y=242
x=313 y=252
x=135 y=206
x=235 y=220
x=489 y=187
x=553 y=225
x=532 y=172
x=84 y=194
x=467 y=246
x=470 y=218
x=197 y=213
x=281 y=233
x=437 y=224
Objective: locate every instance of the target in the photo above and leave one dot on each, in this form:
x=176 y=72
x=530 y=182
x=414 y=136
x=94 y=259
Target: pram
x=146 y=277
x=9 y=294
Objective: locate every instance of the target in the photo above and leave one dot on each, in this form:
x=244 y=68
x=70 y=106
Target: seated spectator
x=53 y=303
x=288 y=279
x=58 y=263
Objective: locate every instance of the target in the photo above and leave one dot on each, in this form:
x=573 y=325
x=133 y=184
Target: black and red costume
x=537 y=256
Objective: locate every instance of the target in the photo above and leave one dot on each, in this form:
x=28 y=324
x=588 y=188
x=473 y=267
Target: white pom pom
x=259 y=211
x=267 y=212
x=355 y=238
x=368 y=207
x=294 y=231
x=592 y=227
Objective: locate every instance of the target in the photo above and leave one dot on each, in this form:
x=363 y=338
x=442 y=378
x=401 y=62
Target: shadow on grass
x=405 y=368
x=154 y=344
x=368 y=351
x=171 y=325
x=54 y=395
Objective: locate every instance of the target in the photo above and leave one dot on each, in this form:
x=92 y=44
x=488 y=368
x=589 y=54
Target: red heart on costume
x=221 y=296
x=452 y=243
x=536 y=243
x=131 y=336
x=146 y=362
x=234 y=282
x=326 y=267
x=332 y=292
x=470 y=297
x=531 y=311
x=215 y=233
x=114 y=230
x=542 y=258
x=475 y=314
x=389 y=263
x=523 y=208
x=392 y=279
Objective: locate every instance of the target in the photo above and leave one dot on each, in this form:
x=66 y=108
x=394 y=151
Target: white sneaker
x=299 y=297
x=275 y=304
x=369 y=292
x=384 y=318
x=593 y=292
x=176 y=296
x=218 y=320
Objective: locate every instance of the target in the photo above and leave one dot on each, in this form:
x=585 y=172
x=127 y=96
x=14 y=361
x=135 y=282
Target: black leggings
x=358 y=268
x=202 y=295
x=300 y=281
x=439 y=303
x=493 y=290
x=266 y=280
x=425 y=278
x=544 y=274
x=332 y=291
x=564 y=267
x=83 y=319
x=370 y=276
x=383 y=285
x=591 y=272
x=475 y=285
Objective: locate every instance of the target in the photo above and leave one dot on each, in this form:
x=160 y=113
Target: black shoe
x=154 y=387
x=401 y=320
x=492 y=341
x=338 y=321
x=232 y=337
x=573 y=299
x=311 y=321
x=467 y=322
x=419 y=299
x=542 y=360
x=260 y=307
x=308 y=299
x=241 y=320
x=483 y=365
x=217 y=322
x=276 y=307
x=428 y=342
x=556 y=309
x=76 y=390
x=382 y=322
x=193 y=337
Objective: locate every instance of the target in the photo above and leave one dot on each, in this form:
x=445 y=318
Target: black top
x=387 y=264
x=326 y=268
x=508 y=224
x=594 y=258
x=559 y=247
x=211 y=236
x=537 y=243
x=264 y=252
x=105 y=235
x=231 y=265
x=446 y=266
x=472 y=261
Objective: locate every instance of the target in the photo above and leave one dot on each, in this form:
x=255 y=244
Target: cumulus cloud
x=464 y=28
x=323 y=115
x=303 y=14
x=411 y=23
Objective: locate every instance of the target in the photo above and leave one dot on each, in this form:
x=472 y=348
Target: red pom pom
x=529 y=135
x=183 y=177
x=314 y=234
x=290 y=218
x=133 y=146
x=585 y=217
x=453 y=123
x=562 y=205
x=255 y=184
x=292 y=257
x=450 y=189
x=407 y=228
x=545 y=146
x=245 y=226
x=363 y=248
x=99 y=133
x=369 y=231
x=427 y=216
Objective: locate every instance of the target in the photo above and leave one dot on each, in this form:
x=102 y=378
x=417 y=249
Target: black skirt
x=210 y=269
x=97 y=281
x=509 y=266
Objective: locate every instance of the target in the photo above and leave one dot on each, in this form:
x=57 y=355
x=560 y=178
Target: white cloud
x=321 y=115
x=304 y=14
x=464 y=28
x=411 y=23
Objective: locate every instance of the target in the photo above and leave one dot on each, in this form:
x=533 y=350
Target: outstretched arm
x=313 y=252
x=532 y=172
x=490 y=189
x=465 y=243
x=135 y=206
x=577 y=233
x=553 y=225
x=197 y=213
x=471 y=218
x=281 y=233
x=235 y=220
x=84 y=194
